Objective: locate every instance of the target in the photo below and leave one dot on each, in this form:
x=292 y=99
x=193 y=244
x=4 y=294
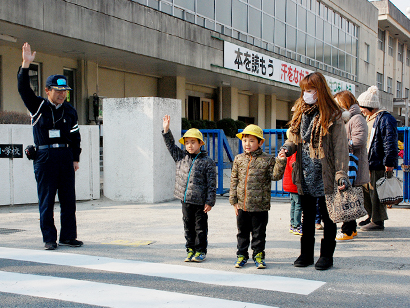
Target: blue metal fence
x=404 y=168
x=274 y=139
x=216 y=144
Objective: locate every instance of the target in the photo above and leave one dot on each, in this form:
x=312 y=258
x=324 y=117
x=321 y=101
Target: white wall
x=18 y=185
x=137 y=164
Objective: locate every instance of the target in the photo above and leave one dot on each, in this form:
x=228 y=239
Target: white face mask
x=308 y=98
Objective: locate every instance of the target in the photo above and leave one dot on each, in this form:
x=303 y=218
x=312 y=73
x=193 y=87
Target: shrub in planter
x=210 y=124
x=185 y=123
x=13 y=117
x=199 y=124
x=240 y=124
x=228 y=126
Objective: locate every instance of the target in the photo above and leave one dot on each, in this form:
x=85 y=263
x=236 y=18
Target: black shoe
x=364 y=222
x=50 y=246
x=303 y=261
x=324 y=263
x=71 y=243
x=373 y=226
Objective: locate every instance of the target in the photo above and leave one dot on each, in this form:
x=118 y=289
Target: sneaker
x=354 y=233
x=364 y=222
x=199 y=257
x=319 y=227
x=241 y=261
x=343 y=236
x=189 y=255
x=50 y=246
x=259 y=261
x=298 y=230
x=291 y=229
x=71 y=243
x=373 y=226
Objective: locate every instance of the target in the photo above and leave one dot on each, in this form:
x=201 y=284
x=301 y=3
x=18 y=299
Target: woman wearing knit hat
x=382 y=152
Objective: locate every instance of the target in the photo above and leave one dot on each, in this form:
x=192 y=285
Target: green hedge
x=13 y=117
x=229 y=126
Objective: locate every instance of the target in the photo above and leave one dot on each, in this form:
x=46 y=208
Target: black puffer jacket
x=199 y=185
x=383 y=149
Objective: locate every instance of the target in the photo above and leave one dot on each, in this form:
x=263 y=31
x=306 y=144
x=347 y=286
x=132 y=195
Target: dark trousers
x=251 y=223
x=349 y=227
x=376 y=211
x=195 y=227
x=54 y=172
x=308 y=226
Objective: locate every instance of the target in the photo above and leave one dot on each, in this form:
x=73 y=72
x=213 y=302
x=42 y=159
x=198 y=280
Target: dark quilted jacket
x=201 y=188
x=383 y=150
x=251 y=180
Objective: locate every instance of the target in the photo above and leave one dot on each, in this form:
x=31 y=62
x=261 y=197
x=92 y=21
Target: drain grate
x=8 y=231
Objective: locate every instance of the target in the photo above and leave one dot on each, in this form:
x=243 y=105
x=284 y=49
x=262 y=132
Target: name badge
x=54 y=133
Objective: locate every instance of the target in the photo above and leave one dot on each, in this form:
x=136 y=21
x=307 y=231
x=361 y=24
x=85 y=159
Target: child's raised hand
x=282 y=154
x=166 y=120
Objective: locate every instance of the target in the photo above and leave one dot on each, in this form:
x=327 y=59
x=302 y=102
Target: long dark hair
x=329 y=110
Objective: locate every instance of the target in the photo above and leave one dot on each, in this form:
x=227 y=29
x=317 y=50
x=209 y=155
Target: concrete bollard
x=137 y=164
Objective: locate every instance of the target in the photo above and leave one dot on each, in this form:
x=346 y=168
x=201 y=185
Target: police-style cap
x=57 y=82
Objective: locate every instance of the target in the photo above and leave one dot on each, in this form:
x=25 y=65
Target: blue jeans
x=295 y=210
x=318 y=218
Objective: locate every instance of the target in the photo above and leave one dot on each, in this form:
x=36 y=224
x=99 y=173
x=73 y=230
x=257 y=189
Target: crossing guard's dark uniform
x=53 y=165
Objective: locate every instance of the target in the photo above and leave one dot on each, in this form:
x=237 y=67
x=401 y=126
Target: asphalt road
x=133 y=257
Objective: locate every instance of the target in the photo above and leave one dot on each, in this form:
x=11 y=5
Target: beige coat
x=335 y=164
x=357 y=131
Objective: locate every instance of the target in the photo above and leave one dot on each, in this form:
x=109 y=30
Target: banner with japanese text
x=254 y=63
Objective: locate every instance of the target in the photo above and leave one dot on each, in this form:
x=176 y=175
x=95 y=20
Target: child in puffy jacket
x=295 y=206
x=195 y=186
x=252 y=174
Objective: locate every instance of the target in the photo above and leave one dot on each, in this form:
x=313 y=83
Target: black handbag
x=31 y=152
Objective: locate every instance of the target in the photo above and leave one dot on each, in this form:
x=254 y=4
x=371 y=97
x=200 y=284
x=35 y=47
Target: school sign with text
x=247 y=61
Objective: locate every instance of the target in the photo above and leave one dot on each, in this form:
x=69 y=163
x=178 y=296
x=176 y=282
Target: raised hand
x=27 y=55
x=165 y=123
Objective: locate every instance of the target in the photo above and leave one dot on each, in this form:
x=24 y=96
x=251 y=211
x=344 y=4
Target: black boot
x=325 y=261
x=306 y=252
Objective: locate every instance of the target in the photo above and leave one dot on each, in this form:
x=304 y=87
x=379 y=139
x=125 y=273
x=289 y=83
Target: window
x=408 y=57
x=398 y=89
x=406 y=93
x=400 y=51
x=389 y=85
x=391 y=46
x=380 y=84
x=380 y=43
x=367 y=48
x=34 y=75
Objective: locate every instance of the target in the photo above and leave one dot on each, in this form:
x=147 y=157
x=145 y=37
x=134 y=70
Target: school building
x=239 y=59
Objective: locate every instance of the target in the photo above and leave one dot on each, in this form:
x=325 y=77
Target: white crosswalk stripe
x=107 y=295
x=28 y=284
x=201 y=275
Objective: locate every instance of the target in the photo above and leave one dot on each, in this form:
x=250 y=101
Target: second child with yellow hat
x=250 y=193
x=195 y=186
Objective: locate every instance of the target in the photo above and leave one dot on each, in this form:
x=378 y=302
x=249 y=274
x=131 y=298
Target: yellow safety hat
x=194 y=133
x=252 y=129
